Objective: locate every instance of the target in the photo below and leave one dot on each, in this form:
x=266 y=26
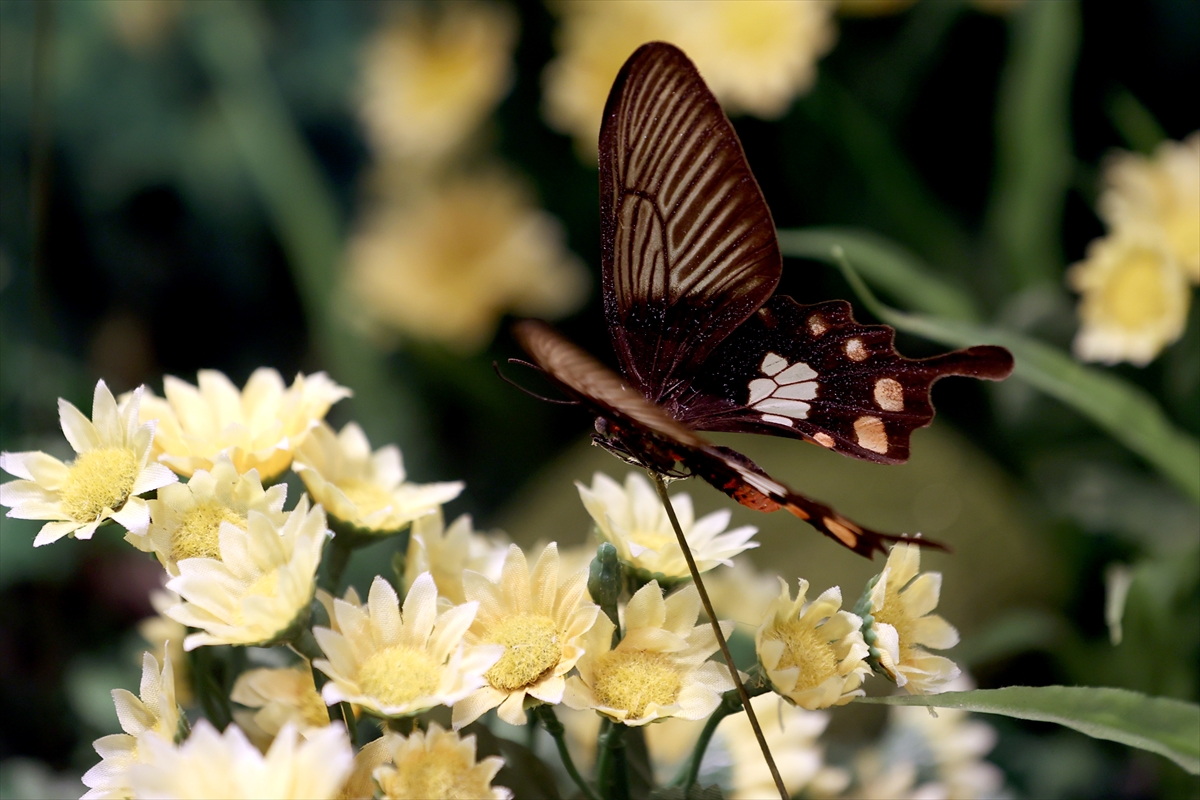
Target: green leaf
x=1161 y=725
x=1126 y=412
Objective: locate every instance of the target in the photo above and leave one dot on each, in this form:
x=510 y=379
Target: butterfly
x=690 y=265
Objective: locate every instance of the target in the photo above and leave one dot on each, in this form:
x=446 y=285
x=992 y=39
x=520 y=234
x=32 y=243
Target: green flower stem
x=207 y=673
x=546 y=714
x=716 y=626
x=730 y=702
x=336 y=560
x=612 y=771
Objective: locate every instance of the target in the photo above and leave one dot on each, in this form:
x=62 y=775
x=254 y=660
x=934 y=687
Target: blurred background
x=376 y=189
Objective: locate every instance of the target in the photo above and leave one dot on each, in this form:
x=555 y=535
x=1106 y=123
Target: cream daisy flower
x=899 y=628
x=111 y=469
x=226 y=766
x=186 y=519
x=814 y=654
x=449 y=263
x=260 y=588
x=659 y=669
x=633 y=519
x=430 y=79
x=539 y=620
x=438 y=765
x=446 y=553
x=165 y=637
x=326 y=600
x=361 y=783
x=155 y=714
x=1134 y=300
x=398 y=664
x=791 y=734
x=363 y=489
x=1160 y=195
x=258 y=427
x=281 y=696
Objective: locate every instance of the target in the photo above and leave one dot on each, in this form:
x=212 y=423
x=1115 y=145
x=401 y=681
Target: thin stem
x=335 y=564
x=686 y=778
x=716 y=626
x=612 y=773
x=546 y=714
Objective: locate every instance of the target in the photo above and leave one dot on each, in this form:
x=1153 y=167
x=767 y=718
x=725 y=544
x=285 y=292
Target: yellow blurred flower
x=258 y=427
x=899 y=627
x=446 y=553
x=155 y=714
x=431 y=77
x=281 y=696
x=540 y=620
x=449 y=262
x=741 y=593
x=438 y=765
x=185 y=519
x=361 y=783
x=756 y=55
x=659 y=669
x=367 y=490
x=226 y=766
x=165 y=637
x=792 y=734
x=111 y=469
x=633 y=519
x=1134 y=300
x=397 y=664
x=814 y=654
x=261 y=586
x=1160 y=196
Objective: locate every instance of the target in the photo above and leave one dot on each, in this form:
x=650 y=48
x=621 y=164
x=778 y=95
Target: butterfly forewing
x=689 y=248
x=814 y=373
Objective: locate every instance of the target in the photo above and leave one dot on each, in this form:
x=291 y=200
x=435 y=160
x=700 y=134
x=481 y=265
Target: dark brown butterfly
x=690 y=265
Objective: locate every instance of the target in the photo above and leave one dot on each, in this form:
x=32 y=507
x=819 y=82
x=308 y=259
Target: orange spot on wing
x=798 y=511
x=843 y=531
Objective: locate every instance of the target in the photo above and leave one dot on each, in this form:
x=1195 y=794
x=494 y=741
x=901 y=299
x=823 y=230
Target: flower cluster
x=469 y=626
x=1135 y=282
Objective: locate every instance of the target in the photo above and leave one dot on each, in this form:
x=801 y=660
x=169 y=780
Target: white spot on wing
x=796 y=373
x=777 y=420
x=792 y=408
x=773 y=363
x=871 y=434
x=797 y=391
x=889 y=394
x=760 y=388
x=855 y=350
x=816 y=325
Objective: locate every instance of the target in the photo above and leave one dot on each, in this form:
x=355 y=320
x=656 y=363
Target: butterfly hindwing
x=688 y=245
x=813 y=372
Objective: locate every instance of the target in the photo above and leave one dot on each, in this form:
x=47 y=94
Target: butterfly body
x=690 y=267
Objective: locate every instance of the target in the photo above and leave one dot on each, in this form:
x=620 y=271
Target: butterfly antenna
x=708 y=609
x=530 y=392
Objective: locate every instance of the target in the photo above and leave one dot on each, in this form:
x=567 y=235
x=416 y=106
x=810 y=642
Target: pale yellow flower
x=155 y=714
x=326 y=600
x=367 y=490
x=165 y=637
x=447 y=553
x=396 y=664
x=261 y=586
x=633 y=519
x=899 y=627
x=258 y=427
x=659 y=669
x=185 y=520
x=438 y=765
x=1134 y=298
x=792 y=735
x=361 y=785
x=111 y=469
x=281 y=696
x=540 y=620
x=431 y=78
x=741 y=593
x=1160 y=195
x=814 y=654
x=226 y=766
x=446 y=265
x=755 y=56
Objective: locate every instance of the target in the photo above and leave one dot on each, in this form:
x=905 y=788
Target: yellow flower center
x=1134 y=296
x=199 y=533
x=312 y=709
x=396 y=676
x=99 y=479
x=367 y=496
x=806 y=648
x=633 y=679
x=895 y=613
x=531 y=650
x=440 y=772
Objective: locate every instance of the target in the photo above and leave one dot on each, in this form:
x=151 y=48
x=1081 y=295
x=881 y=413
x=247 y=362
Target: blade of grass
x=1161 y=725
